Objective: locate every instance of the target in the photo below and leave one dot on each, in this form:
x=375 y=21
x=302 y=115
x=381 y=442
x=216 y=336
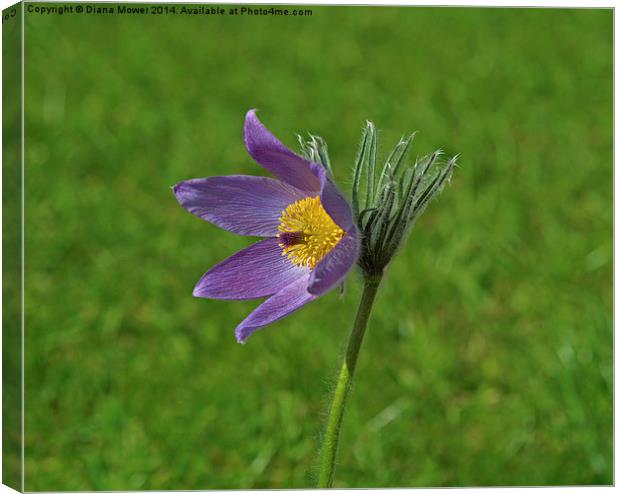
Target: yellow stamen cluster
x=315 y=232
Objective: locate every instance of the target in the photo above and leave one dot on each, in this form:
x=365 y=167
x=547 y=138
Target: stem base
x=345 y=378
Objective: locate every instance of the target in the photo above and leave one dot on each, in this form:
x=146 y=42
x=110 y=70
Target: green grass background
x=488 y=359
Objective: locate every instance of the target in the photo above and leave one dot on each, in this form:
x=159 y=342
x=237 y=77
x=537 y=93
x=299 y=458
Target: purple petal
x=281 y=304
x=238 y=203
x=334 y=204
x=269 y=152
x=335 y=265
x=257 y=271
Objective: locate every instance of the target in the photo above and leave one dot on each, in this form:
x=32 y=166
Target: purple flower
x=311 y=240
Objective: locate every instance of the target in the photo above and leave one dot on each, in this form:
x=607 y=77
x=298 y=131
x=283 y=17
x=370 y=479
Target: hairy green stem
x=345 y=378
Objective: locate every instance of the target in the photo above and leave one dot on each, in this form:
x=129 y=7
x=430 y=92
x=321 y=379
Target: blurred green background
x=488 y=359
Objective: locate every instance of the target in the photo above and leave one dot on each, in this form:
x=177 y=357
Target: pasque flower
x=312 y=236
x=311 y=240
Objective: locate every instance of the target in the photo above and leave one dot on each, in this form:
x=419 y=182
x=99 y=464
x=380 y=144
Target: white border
x=566 y=4
x=23 y=258
x=532 y=4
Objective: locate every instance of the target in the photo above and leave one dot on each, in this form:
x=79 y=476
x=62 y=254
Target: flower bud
x=386 y=206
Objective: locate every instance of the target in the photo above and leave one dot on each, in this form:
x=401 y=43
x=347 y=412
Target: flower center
x=307 y=233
